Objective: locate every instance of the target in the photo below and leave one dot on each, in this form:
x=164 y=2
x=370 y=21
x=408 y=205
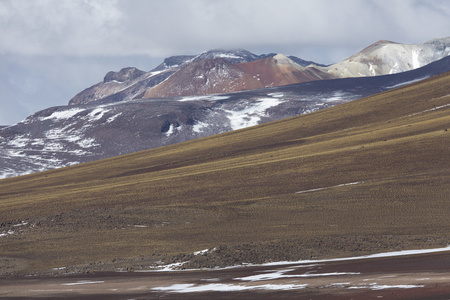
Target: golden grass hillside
x=375 y=169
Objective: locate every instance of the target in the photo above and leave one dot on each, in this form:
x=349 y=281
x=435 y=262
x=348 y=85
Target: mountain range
x=214 y=71
x=198 y=96
x=225 y=71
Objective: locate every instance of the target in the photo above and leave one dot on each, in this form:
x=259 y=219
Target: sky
x=52 y=49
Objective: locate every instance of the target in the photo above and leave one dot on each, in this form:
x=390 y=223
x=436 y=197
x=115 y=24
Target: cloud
x=57 y=27
x=136 y=27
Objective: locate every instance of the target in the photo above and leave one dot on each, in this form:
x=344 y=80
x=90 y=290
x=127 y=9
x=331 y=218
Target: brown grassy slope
x=243 y=186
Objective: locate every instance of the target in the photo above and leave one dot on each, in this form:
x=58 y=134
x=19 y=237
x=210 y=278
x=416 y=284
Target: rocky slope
x=217 y=75
x=386 y=57
x=214 y=71
x=67 y=135
x=281 y=70
x=203 y=77
x=127 y=84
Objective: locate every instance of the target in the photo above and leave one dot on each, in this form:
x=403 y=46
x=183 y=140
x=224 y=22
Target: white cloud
x=130 y=27
x=43 y=27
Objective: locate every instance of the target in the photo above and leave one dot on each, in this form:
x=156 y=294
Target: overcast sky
x=52 y=49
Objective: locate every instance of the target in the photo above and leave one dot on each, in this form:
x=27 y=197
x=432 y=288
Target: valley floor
x=401 y=275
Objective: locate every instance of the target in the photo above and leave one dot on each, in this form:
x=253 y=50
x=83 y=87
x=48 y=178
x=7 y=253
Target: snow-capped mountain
x=218 y=75
x=67 y=135
x=224 y=71
x=218 y=70
x=385 y=57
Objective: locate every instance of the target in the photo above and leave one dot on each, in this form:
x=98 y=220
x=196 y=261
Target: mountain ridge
x=136 y=89
x=67 y=135
x=380 y=58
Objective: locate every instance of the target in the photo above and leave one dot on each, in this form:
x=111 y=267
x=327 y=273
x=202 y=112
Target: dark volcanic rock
x=173 y=62
x=123 y=75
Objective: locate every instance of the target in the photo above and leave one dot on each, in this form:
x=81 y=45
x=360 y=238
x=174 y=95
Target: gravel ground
x=420 y=276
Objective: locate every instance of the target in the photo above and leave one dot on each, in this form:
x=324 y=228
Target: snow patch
x=371 y=69
x=406 y=82
x=23 y=223
x=81 y=282
x=64 y=114
x=376 y=287
x=168 y=267
x=112 y=118
x=370 y=256
x=337 y=96
x=415 y=59
x=223 y=55
x=281 y=275
x=338 y=285
x=276 y=95
x=431 y=109
x=329 y=187
x=87 y=143
x=220 y=287
x=6 y=233
x=97 y=113
x=207 y=97
x=395 y=69
x=201 y=252
x=19 y=142
x=199 y=127
x=171 y=130
x=251 y=115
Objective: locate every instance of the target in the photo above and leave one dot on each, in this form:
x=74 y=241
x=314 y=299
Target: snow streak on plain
x=280 y=274
x=220 y=287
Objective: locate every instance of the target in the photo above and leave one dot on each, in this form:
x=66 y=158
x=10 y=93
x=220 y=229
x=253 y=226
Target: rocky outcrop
x=123 y=75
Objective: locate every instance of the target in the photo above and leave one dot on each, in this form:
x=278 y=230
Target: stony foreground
x=416 y=276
